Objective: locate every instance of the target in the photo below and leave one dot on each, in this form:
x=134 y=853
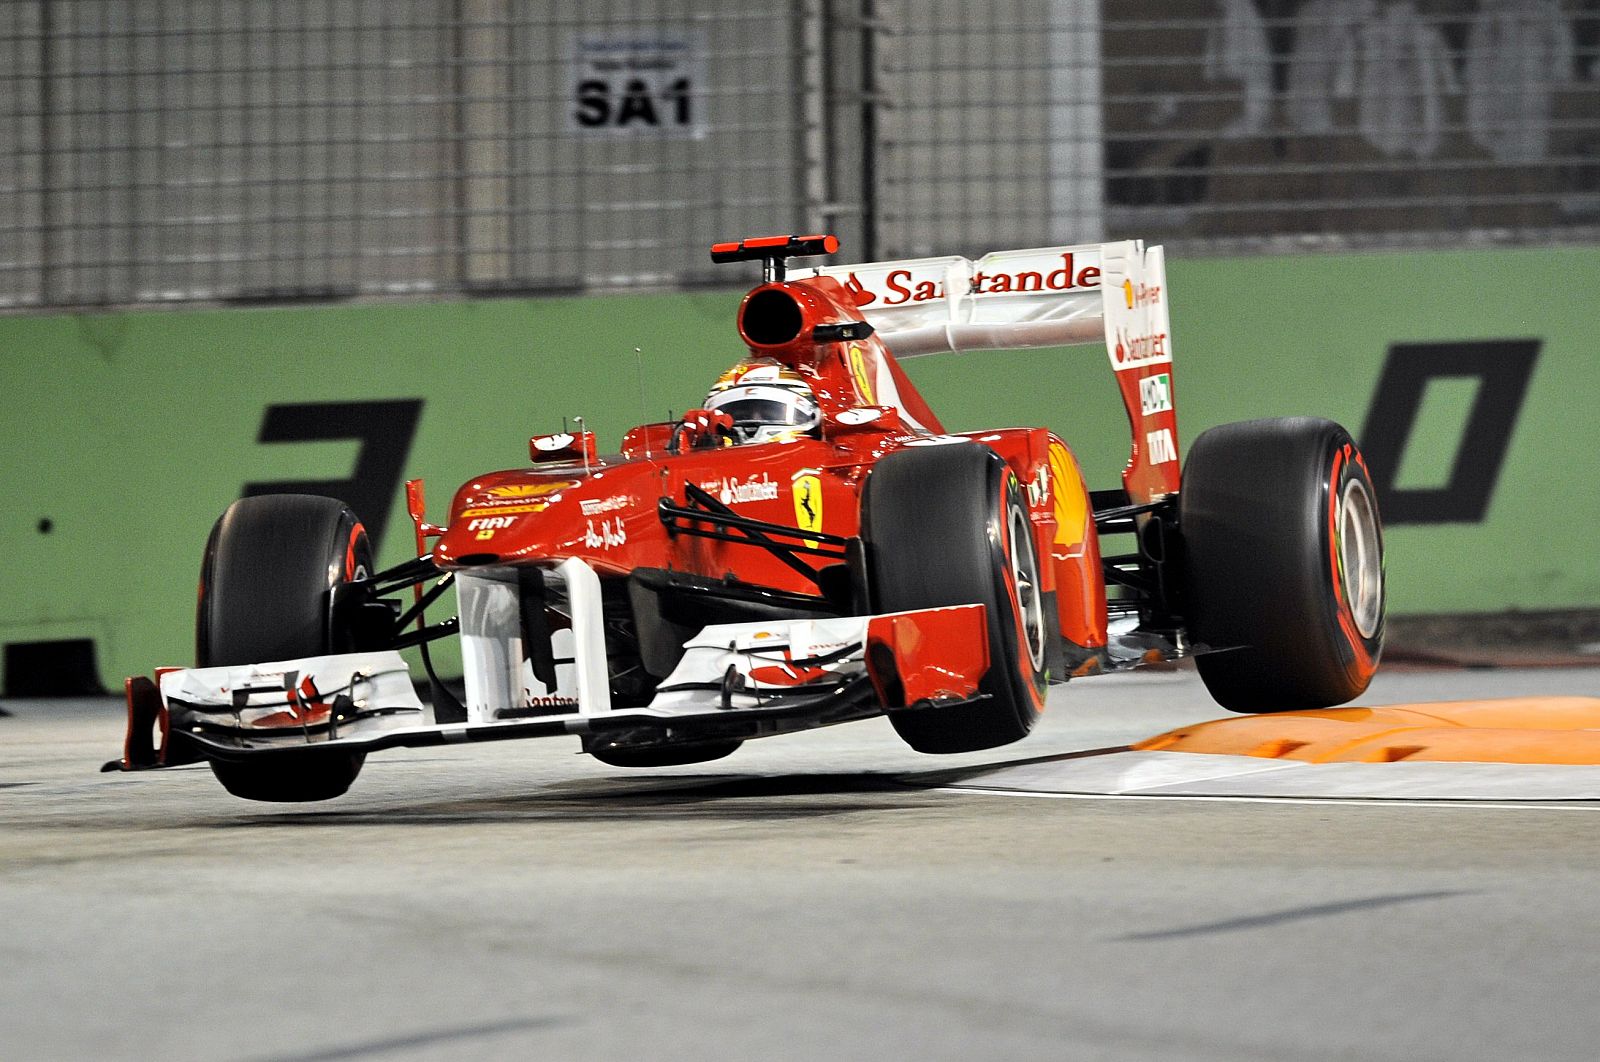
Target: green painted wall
x=130 y=432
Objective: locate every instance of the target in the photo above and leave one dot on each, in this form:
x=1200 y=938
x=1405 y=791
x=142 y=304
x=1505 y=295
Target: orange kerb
x=1562 y=730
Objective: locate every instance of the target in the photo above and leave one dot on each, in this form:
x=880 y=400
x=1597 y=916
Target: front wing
x=735 y=681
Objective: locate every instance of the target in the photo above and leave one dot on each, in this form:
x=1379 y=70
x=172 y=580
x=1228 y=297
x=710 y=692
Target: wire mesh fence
x=183 y=150
x=261 y=149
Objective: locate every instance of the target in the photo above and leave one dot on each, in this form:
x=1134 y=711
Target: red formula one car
x=810 y=547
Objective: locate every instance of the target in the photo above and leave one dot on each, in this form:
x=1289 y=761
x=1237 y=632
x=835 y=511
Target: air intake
x=771 y=318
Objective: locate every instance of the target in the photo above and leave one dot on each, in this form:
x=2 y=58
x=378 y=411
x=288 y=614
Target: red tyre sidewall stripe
x=350 y=551
x=1347 y=622
x=1024 y=654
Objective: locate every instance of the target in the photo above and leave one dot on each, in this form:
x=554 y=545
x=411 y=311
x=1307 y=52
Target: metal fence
x=183 y=150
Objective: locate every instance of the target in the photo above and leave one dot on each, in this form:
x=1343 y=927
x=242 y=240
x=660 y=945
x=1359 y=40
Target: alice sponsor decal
x=1162 y=449
x=808 y=505
x=607 y=535
x=596 y=506
x=732 y=491
x=902 y=287
x=1133 y=351
x=1155 y=394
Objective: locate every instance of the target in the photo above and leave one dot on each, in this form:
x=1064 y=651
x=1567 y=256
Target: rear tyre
x=266 y=586
x=1284 y=561
x=948 y=525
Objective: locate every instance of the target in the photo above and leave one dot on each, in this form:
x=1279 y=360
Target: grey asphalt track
x=810 y=897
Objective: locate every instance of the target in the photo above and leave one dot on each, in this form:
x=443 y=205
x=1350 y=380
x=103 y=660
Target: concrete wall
x=126 y=434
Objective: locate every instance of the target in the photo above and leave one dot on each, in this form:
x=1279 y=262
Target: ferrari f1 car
x=810 y=547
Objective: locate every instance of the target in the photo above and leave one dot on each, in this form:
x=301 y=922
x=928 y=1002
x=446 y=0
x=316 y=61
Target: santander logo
x=902 y=286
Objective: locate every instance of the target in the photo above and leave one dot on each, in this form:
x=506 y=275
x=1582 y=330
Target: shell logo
x=531 y=490
x=1071 y=500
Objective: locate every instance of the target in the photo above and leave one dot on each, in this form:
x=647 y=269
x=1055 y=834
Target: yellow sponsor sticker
x=808 y=505
x=504 y=510
x=858 y=369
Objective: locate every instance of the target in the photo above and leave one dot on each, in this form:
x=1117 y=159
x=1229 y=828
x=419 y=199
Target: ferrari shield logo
x=808 y=505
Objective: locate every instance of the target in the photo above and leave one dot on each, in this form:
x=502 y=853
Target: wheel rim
x=1025 y=577
x=1360 y=556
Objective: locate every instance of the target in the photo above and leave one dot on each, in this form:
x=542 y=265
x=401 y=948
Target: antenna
x=582 y=443
x=638 y=360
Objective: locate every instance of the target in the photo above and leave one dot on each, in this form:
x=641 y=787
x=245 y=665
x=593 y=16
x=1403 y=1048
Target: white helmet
x=767 y=401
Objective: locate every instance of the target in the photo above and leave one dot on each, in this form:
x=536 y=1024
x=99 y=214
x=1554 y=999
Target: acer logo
x=903 y=287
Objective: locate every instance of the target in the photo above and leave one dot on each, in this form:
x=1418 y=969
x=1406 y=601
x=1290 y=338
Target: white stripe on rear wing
x=1113 y=293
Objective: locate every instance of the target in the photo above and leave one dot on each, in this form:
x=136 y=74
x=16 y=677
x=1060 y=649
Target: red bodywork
x=603 y=510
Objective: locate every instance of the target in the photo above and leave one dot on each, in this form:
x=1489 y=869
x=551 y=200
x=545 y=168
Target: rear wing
x=1043 y=297
x=1111 y=293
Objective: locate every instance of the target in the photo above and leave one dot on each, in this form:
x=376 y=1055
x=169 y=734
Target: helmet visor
x=770 y=411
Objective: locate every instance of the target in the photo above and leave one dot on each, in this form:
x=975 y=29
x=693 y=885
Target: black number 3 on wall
x=385 y=430
x=1502 y=368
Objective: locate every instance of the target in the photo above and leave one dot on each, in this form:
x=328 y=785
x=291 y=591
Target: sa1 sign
x=638 y=85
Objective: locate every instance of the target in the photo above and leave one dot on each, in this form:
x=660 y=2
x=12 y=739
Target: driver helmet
x=767 y=402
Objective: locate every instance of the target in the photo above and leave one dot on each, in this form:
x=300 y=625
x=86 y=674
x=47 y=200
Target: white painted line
x=1477 y=805
x=1188 y=774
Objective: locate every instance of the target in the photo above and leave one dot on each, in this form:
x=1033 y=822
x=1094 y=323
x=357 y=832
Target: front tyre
x=948 y=525
x=1283 y=564
x=266 y=593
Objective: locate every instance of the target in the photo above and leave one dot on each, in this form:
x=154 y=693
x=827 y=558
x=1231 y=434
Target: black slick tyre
x=948 y=525
x=266 y=585
x=1283 y=564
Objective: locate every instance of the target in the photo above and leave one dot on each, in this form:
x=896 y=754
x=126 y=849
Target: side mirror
x=882 y=419
x=563 y=446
